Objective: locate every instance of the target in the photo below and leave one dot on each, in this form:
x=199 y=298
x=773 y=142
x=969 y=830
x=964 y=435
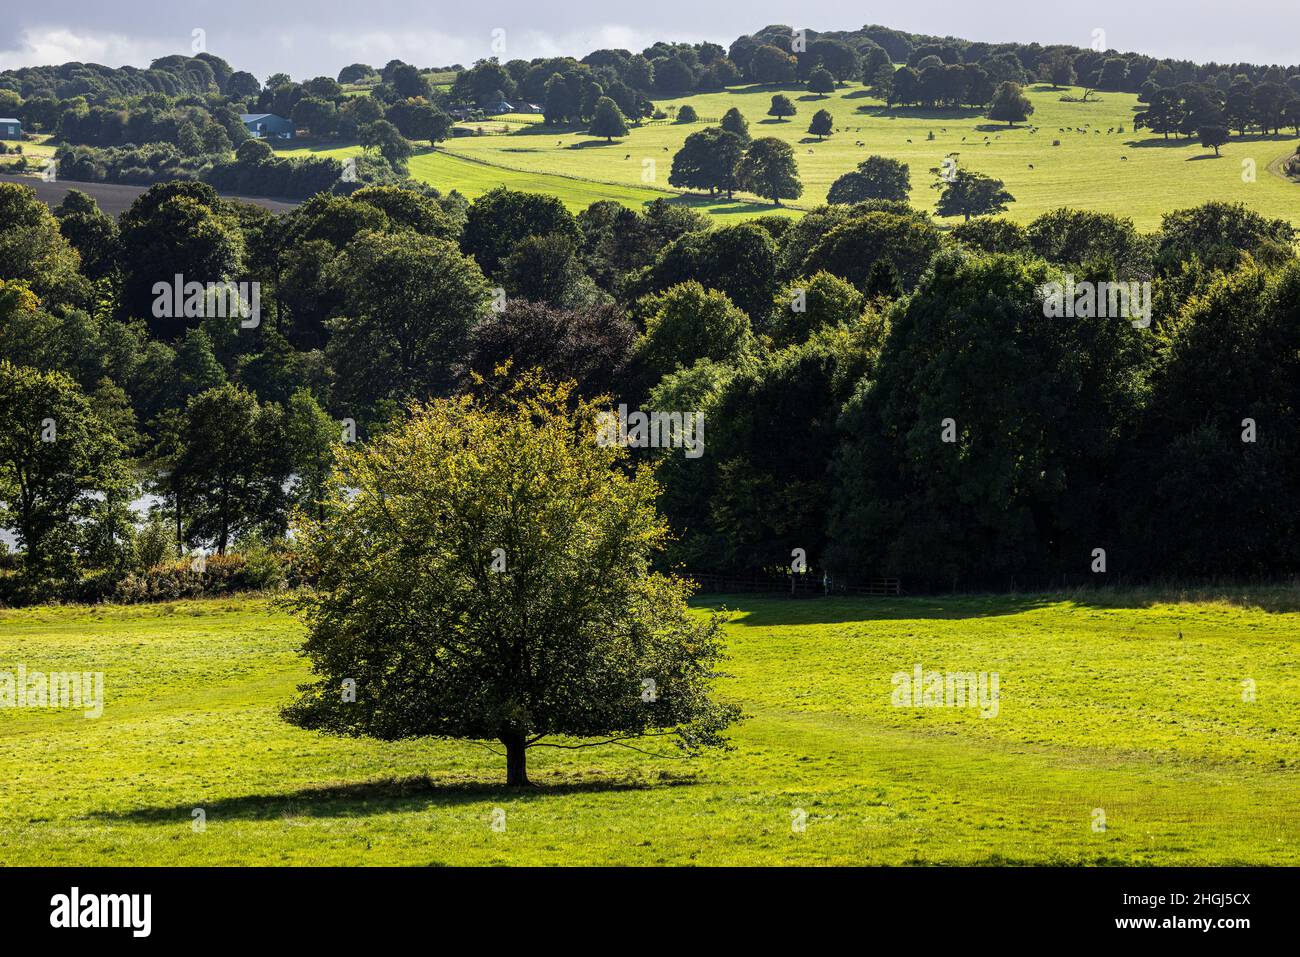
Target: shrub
x=256 y=569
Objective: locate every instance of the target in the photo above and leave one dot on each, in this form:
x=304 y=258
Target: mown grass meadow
x=1127 y=704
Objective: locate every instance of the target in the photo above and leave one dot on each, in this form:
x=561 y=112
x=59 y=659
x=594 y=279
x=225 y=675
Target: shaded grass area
x=1127 y=703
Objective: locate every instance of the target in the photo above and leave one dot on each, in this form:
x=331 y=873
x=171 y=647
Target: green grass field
x=1117 y=703
x=1086 y=170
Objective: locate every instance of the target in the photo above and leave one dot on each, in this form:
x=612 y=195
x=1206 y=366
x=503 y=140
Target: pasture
x=1124 y=705
x=1096 y=166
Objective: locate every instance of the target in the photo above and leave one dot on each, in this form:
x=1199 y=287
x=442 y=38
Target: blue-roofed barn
x=267 y=126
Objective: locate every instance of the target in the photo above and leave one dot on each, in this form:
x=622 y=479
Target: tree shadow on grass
x=1158 y=140
x=765 y=610
x=922 y=113
x=381 y=796
x=768 y=610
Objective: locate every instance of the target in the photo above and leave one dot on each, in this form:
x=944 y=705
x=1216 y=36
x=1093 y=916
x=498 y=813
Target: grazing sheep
x=1123 y=159
x=909 y=141
x=1031 y=165
x=628 y=156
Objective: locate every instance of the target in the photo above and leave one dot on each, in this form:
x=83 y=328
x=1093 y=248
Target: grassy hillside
x=1130 y=706
x=1087 y=170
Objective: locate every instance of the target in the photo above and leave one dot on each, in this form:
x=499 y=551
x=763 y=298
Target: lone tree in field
x=1010 y=103
x=608 y=120
x=972 y=194
x=1214 y=136
x=782 y=107
x=483 y=573
x=769 y=170
x=823 y=124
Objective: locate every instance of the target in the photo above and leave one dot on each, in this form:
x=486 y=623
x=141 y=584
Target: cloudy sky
x=311 y=37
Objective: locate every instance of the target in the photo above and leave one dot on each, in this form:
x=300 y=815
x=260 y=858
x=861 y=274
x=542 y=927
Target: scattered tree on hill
x=821 y=81
x=769 y=170
x=1010 y=103
x=608 y=121
x=1214 y=136
x=782 y=107
x=823 y=124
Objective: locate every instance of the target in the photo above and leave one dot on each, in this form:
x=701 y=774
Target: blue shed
x=267 y=126
x=10 y=129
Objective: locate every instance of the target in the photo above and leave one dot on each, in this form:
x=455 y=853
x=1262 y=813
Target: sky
x=307 y=38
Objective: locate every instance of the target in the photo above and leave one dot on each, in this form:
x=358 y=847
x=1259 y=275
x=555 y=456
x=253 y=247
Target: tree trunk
x=516 y=760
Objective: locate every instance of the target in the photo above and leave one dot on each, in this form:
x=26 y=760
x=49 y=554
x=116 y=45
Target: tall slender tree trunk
x=516 y=760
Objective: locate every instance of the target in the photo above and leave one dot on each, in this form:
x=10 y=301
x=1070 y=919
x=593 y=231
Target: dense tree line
x=254 y=170
x=1190 y=109
x=1023 y=63
x=889 y=396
